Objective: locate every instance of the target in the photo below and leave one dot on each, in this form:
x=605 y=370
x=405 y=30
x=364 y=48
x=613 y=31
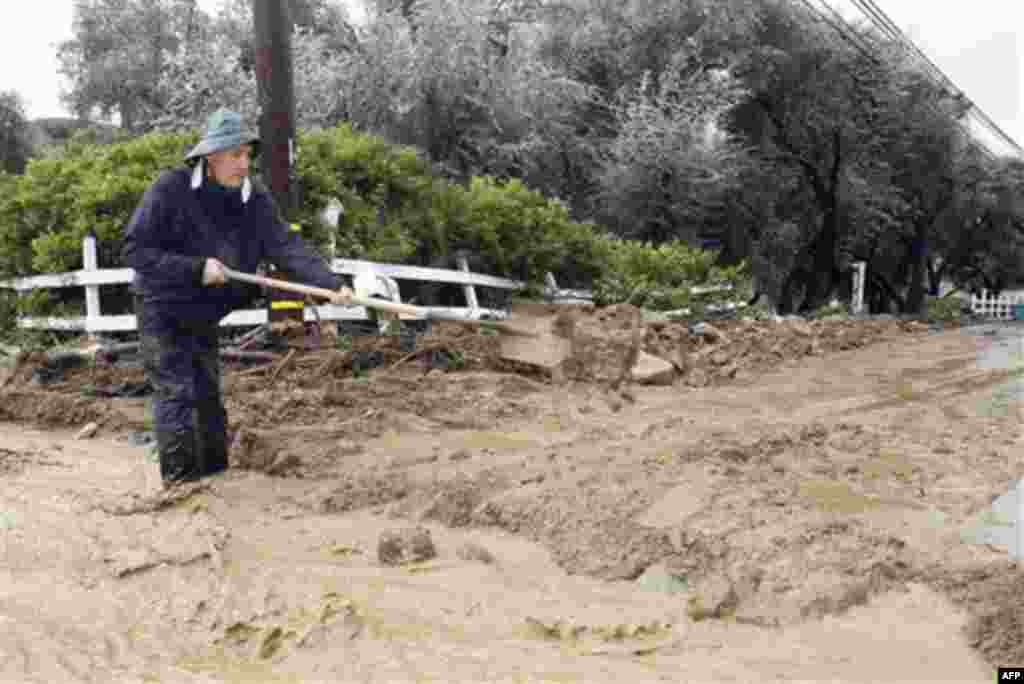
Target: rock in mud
x=716 y=598
x=455 y=503
x=410 y=545
x=88 y=431
x=474 y=553
x=285 y=462
x=249 y=451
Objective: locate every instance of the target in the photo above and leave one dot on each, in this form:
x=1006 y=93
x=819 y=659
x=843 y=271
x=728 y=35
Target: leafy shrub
x=398 y=210
x=48 y=210
x=944 y=309
x=661 y=277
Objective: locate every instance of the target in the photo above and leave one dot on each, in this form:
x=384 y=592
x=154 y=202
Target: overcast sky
x=979 y=45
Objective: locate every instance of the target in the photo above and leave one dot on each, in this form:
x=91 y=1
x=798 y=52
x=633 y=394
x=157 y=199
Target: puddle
x=996 y=525
x=1000 y=347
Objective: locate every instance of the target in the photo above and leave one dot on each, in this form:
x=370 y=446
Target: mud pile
x=738 y=350
x=710 y=354
x=315 y=378
x=991 y=594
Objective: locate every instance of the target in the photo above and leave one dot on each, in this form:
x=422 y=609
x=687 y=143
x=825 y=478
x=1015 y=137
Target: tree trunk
x=888 y=293
x=127 y=110
x=821 y=280
x=915 y=303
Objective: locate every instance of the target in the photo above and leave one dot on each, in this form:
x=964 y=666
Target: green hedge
x=47 y=211
x=396 y=210
x=660 y=277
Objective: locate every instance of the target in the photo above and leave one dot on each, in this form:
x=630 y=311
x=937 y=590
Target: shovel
x=380 y=304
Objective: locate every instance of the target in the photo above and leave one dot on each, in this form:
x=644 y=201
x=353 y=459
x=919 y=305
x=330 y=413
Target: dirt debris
x=991 y=593
x=476 y=553
x=364 y=490
x=741 y=350
x=409 y=545
x=17 y=461
x=54 y=409
x=331 y=382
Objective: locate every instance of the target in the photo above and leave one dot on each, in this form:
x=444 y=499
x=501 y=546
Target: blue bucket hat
x=224 y=131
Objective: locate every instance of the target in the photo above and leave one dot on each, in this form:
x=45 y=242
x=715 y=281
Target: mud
x=761 y=527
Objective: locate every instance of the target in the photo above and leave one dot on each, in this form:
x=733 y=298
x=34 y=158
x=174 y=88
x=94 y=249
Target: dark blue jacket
x=175 y=229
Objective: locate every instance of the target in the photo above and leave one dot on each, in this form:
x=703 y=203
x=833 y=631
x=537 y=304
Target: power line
x=859 y=44
x=888 y=29
x=878 y=16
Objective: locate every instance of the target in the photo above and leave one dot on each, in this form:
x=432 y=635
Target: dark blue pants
x=182 y=363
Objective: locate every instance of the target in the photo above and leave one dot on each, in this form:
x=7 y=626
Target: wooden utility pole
x=273 y=28
x=272 y=24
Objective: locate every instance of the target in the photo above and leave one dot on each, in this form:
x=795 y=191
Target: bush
x=944 y=309
x=46 y=212
x=661 y=277
x=398 y=210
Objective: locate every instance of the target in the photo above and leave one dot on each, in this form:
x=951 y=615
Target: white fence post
x=859 y=274
x=468 y=288
x=90 y=262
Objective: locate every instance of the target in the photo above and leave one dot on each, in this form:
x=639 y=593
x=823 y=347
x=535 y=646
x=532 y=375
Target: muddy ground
x=789 y=509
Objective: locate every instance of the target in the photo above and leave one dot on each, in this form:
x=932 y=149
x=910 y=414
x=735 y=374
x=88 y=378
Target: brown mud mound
x=704 y=511
x=15 y=462
x=603 y=340
x=992 y=596
x=54 y=409
x=396 y=368
x=312 y=416
x=739 y=350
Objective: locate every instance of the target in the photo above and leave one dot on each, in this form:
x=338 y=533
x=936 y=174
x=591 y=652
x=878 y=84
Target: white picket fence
x=998 y=308
x=93 y=278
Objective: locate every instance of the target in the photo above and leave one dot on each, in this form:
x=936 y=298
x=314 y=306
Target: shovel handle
x=373 y=303
x=323 y=293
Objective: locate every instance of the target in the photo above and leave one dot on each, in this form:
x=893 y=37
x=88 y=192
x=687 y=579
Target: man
x=192 y=223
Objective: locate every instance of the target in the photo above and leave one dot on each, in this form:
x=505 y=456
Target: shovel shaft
x=323 y=293
x=374 y=303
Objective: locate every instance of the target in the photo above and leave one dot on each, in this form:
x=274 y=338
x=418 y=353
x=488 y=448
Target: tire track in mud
x=944 y=391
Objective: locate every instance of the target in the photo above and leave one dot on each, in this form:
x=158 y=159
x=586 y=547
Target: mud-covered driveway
x=800 y=520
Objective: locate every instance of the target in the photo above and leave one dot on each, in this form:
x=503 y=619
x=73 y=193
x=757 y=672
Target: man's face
x=230 y=167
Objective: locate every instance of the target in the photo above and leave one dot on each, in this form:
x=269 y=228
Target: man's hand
x=213 y=273
x=342 y=297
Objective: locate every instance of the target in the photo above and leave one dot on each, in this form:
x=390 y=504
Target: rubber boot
x=211 y=439
x=177 y=452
